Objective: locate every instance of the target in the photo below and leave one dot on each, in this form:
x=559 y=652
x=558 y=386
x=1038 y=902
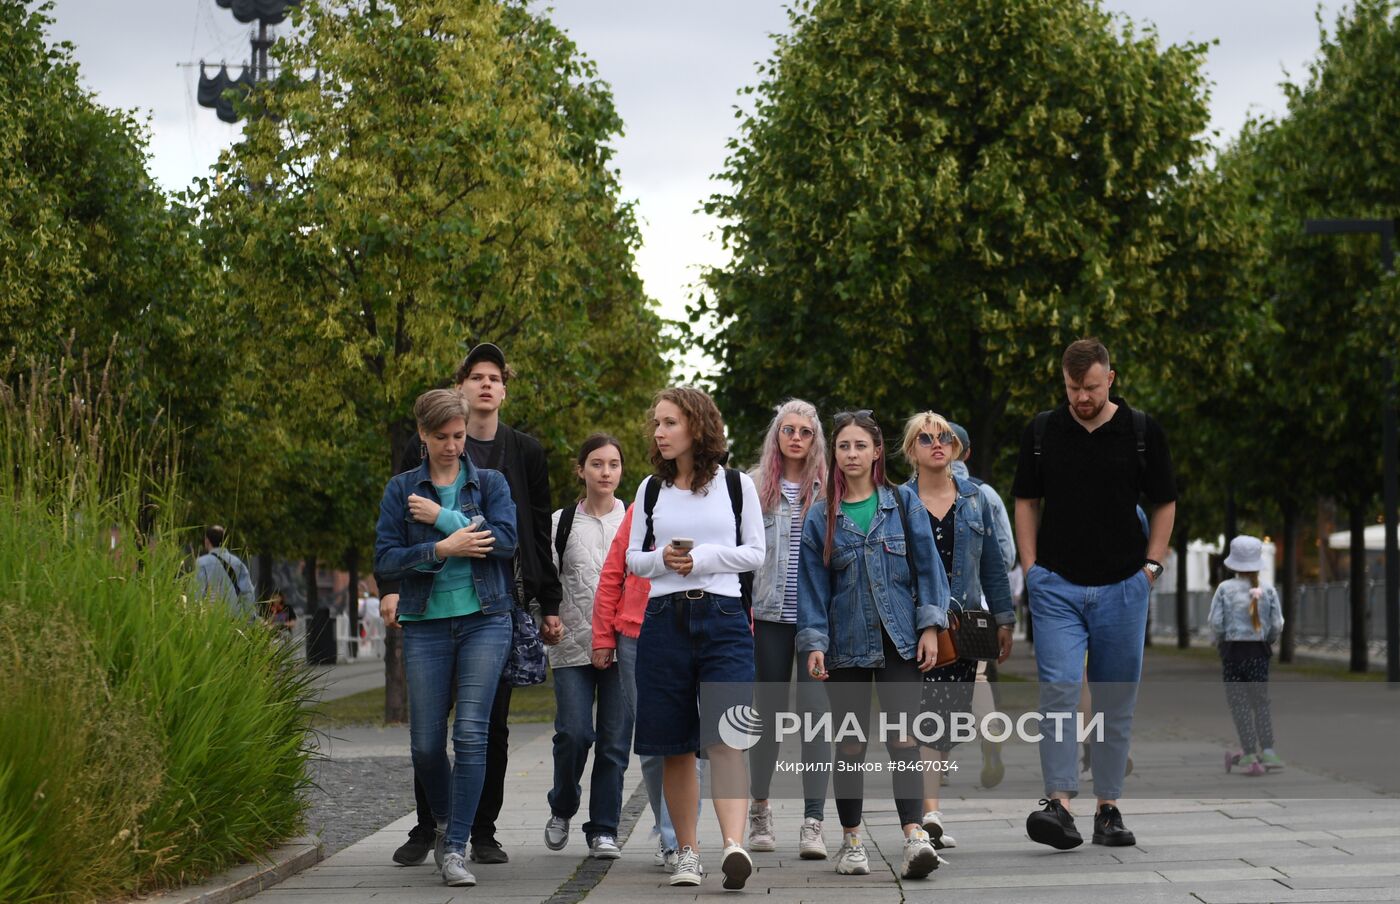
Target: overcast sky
x=674 y=66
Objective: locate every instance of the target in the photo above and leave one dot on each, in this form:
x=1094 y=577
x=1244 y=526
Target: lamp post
x=1386 y=230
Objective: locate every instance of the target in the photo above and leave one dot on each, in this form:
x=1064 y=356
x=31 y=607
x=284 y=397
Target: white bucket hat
x=1246 y=554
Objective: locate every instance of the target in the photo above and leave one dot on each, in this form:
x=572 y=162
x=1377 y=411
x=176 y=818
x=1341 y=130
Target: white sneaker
x=761 y=828
x=851 y=859
x=688 y=870
x=810 y=843
x=556 y=833
x=660 y=855
x=933 y=825
x=920 y=858
x=604 y=847
x=455 y=872
x=736 y=866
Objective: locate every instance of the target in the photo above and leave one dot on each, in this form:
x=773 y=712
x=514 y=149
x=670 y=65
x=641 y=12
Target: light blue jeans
x=1107 y=625
x=652 y=766
x=467 y=652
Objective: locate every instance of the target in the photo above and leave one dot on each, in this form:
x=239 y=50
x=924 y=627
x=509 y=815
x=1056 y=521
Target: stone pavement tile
x=1341 y=882
x=1341 y=870
x=1161 y=893
x=1237 y=873
x=1272 y=893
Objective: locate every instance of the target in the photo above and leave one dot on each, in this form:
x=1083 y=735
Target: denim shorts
x=694 y=663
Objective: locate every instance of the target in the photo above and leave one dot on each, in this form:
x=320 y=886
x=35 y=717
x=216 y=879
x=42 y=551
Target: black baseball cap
x=486 y=351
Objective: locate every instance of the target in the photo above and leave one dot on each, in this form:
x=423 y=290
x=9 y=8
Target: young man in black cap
x=482 y=378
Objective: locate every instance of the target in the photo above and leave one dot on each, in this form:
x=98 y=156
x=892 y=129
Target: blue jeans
x=575 y=689
x=467 y=652
x=652 y=766
x=1107 y=625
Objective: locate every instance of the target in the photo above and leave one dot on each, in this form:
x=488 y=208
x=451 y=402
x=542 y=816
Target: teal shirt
x=863 y=512
x=454 y=593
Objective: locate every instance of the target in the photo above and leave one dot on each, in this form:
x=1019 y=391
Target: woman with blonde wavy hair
x=790 y=474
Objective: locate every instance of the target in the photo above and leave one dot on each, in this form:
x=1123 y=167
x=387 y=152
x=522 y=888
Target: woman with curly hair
x=695 y=631
x=790 y=474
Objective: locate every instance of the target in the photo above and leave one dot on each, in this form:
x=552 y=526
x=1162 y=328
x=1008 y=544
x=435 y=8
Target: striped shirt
x=789 y=613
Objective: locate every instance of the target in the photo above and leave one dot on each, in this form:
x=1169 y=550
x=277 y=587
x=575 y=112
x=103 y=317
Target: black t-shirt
x=1089 y=484
x=480 y=451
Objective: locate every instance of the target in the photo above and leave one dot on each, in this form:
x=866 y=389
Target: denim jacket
x=770 y=583
x=402 y=545
x=1229 y=613
x=978 y=567
x=842 y=608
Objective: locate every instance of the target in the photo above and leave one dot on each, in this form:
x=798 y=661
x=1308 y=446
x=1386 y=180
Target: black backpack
x=561 y=533
x=736 y=502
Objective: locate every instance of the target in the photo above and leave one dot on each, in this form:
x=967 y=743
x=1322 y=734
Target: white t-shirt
x=707 y=519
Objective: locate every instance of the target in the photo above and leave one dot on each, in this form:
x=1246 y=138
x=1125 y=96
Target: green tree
x=95 y=262
x=953 y=190
x=443 y=180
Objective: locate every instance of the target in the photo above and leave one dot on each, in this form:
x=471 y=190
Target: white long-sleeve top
x=708 y=519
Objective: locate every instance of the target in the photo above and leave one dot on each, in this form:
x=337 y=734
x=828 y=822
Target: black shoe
x=488 y=852
x=1108 y=828
x=1053 y=826
x=415 y=850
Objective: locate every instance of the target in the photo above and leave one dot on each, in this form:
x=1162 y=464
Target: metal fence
x=1323 y=618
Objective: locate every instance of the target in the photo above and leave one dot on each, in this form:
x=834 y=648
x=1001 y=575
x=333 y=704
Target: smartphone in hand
x=682 y=544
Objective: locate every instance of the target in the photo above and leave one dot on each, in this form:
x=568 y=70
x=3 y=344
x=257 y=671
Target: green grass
x=149 y=740
x=527 y=704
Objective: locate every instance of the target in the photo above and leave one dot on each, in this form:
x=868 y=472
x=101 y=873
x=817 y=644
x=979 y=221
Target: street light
x=1386 y=230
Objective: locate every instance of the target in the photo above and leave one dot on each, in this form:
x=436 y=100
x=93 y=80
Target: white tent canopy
x=1374 y=536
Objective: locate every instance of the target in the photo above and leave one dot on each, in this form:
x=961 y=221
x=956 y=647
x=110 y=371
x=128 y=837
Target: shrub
x=149 y=740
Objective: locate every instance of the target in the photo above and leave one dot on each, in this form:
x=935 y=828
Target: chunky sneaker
x=761 y=827
x=810 y=843
x=920 y=858
x=688 y=870
x=1053 y=826
x=1271 y=761
x=455 y=872
x=415 y=850
x=1108 y=828
x=604 y=847
x=556 y=833
x=993 y=770
x=1252 y=765
x=736 y=866
x=439 y=844
x=933 y=825
x=851 y=859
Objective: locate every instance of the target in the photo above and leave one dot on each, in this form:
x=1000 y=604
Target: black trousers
x=493 y=792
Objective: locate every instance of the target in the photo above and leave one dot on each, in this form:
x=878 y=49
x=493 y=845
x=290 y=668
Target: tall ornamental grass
x=145 y=740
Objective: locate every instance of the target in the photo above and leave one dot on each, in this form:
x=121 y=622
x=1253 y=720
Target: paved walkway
x=1299 y=836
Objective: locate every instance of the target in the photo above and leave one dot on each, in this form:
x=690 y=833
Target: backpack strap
x=228 y=570
x=561 y=533
x=1038 y=431
x=736 y=503
x=649 y=497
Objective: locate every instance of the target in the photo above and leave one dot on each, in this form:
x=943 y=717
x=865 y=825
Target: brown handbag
x=947 y=643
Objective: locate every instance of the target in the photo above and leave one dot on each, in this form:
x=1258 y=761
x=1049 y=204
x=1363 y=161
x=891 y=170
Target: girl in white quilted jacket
x=581 y=536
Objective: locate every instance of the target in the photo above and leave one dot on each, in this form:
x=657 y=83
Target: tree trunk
x=1183 y=609
x=1289 y=581
x=313 y=589
x=352 y=603
x=1357 y=523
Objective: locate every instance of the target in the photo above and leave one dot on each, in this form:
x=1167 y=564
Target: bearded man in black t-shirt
x=1089 y=569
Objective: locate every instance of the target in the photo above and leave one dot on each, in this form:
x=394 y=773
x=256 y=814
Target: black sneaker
x=1053 y=826
x=488 y=852
x=1108 y=828
x=415 y=850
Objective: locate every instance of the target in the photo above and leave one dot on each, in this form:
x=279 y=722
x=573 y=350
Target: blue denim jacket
x=770 y=581
x=841 y=608
x=978 y=566
x=1229 y=613
x=401 y=544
